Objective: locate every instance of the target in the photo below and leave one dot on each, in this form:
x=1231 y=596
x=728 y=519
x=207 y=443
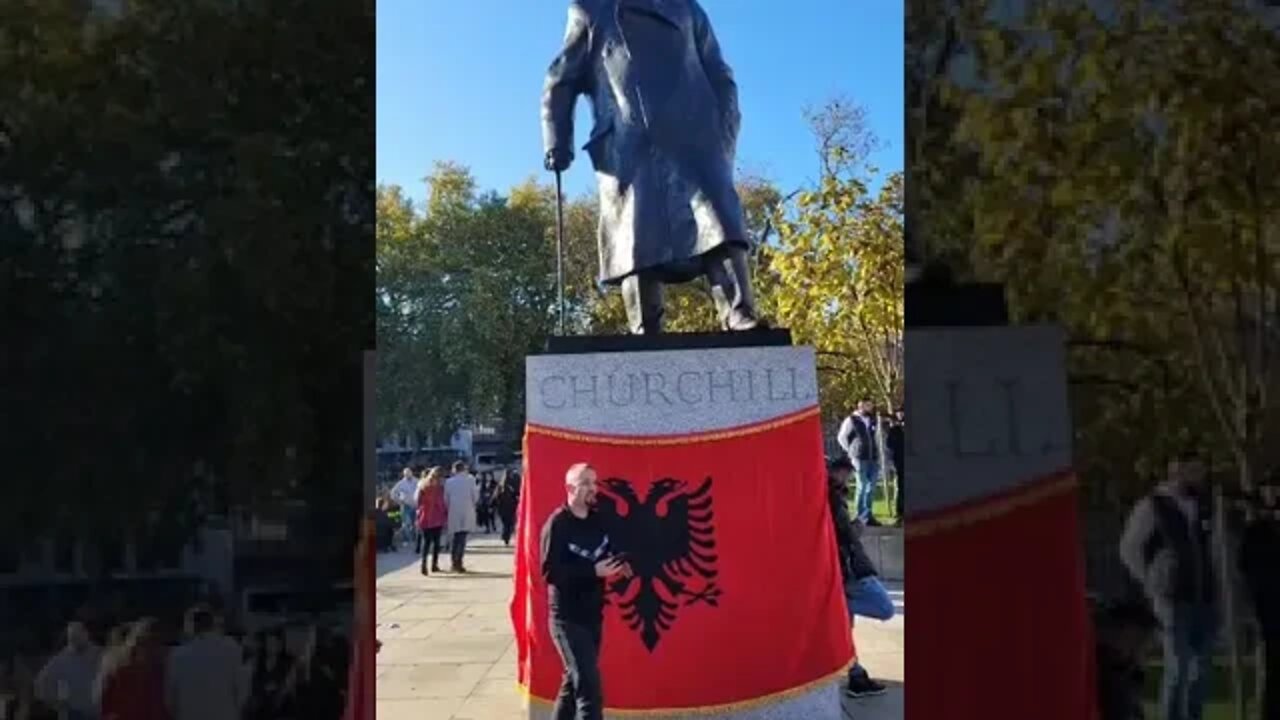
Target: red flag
x=966 y=574
x=743 y=604
x=360 y=676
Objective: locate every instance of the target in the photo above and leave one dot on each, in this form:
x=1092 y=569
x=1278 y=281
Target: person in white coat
x=405 y=494
x=461 y=494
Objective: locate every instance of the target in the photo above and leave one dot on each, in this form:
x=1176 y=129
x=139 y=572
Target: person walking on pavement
x=403 y=495
x=1166 y=549
x=507 y=502
x=461 y=495
x=864 y=594
x=858 y=437
x=431 y=517
x=576 y=562
x=1259 y=548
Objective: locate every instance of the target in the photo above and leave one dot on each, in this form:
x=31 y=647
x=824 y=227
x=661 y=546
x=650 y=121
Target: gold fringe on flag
x=739 y=706
x=1035 y=492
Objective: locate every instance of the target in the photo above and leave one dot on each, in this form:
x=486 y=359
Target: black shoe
x=863 y=686
x=872 y=522
x=424 y=572
x=436 y=569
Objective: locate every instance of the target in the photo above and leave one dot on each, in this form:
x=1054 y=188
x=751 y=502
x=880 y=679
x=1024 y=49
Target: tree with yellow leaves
x=1124 y=190
x=837 y=268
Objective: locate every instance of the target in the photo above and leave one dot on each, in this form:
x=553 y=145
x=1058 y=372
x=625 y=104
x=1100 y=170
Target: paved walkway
x=448 y=651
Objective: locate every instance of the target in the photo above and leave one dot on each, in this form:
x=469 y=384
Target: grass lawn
x=1219 y=706
x=881 y=507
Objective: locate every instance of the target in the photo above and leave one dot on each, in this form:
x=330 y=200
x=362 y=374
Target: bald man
x=576 y=562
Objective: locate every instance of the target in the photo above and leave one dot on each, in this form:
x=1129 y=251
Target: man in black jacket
x=1259 y=548
x=576 y=560
x=895 y=442
x=864 y=593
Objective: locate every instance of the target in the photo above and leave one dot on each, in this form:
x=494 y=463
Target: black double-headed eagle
x=668 y=538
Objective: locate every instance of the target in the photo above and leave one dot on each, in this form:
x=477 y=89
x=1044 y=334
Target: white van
x=484 y=462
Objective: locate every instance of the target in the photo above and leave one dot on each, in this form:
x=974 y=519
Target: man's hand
x=558 y=160
x=612 y=567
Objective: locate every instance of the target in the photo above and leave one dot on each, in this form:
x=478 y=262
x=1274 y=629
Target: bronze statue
x=666 y=115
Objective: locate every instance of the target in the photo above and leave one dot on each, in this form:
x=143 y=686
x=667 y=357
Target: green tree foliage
x=837 y=268
x=1122 y=193
x=467 y=283
x=466 y=289
x=183 y=284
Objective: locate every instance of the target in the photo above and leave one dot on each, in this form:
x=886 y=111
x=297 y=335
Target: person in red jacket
x=432 y=516
x=131 y=682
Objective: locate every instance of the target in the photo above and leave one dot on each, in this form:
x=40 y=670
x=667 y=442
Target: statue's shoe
x=739 y=321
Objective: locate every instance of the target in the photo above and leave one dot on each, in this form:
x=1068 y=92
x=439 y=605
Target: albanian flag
x=966 y=573
x=736 y=600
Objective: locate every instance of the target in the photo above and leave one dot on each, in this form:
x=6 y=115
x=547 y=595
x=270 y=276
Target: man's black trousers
x=581 y=695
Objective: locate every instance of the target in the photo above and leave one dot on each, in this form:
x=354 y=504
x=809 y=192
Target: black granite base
x=959 y=305
x=584 y=344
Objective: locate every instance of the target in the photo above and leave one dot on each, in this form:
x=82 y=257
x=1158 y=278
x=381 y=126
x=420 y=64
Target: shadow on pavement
x=472 y=575
x=486 y=550
x=390 y=562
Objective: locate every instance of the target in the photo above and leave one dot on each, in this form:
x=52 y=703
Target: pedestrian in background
x=859 y=437
x=507 y=501
x=895 y=442
x=431 y=518
x=461 y=495
x=403 y=495
x=1259 y=548
x=1166 y=548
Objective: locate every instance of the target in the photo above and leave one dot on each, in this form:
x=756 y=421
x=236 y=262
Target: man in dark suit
x=666 y=115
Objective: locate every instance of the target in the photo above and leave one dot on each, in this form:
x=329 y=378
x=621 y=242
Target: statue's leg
x=642 y=295
x=730 y=279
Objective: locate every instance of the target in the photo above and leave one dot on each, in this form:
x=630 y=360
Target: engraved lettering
x=686 y=389
x=713 y=386
x=588 y=389
x=772 y=395
x=795 y=383
x=631 y=391
x=953 y=414
x=546 y=393
x=659 y=388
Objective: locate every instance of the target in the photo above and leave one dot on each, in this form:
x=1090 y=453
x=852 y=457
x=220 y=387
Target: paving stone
x=448 y=651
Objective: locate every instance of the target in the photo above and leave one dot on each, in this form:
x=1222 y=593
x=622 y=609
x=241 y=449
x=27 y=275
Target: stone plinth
x=671 y=391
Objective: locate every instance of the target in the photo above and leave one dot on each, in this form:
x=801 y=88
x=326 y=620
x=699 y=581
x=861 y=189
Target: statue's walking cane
x=560 y=252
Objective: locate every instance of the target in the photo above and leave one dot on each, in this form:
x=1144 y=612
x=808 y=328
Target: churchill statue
x=665 y=107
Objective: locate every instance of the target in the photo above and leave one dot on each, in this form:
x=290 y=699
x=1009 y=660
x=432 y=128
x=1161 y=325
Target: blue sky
x=461 y=80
